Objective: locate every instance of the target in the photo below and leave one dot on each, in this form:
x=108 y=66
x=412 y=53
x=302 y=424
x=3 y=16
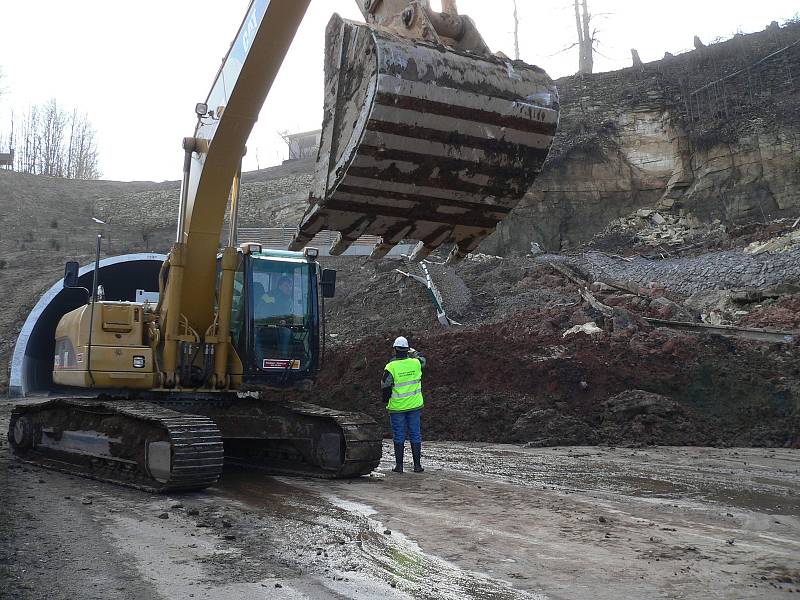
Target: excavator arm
x=211 y=167
x=225 y=121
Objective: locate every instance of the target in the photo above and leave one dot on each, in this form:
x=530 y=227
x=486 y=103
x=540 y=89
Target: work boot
x=416 y=452
x=398 y=458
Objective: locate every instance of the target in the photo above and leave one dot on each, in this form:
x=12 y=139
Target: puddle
x=746 y=499
x=353 y=507
x=753 y=500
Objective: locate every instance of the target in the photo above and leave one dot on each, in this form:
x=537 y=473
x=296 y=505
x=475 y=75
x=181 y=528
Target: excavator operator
x=279 y=302
x=273 y=313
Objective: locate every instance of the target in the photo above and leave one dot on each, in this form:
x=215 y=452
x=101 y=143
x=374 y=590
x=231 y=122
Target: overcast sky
x=138 y=68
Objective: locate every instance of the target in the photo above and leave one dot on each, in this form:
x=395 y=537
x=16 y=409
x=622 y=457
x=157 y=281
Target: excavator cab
x=276 y=317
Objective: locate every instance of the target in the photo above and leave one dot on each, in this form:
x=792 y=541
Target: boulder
x=549 y=427
x=637 y=417
x=664 y=308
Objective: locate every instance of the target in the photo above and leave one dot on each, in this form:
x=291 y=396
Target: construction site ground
x=483 y=521
x=574 y=447
x=616 y=419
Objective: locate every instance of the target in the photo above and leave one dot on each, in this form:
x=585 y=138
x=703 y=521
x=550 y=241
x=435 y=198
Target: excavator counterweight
x=422 y=141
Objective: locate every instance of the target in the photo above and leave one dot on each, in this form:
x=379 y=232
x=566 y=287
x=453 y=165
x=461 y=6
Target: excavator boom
x=224 y=123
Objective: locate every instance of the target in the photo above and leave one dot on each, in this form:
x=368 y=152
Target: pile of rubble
x=653 y=228
x=781 y=243
x=479 y=257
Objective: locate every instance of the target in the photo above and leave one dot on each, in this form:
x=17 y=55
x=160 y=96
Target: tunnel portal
x=32 y=361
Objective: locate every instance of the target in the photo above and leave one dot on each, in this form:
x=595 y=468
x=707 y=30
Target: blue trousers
x=406 y=422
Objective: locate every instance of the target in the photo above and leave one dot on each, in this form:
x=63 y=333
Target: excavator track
x=294 y=438
x=134 y=444
x=176 y=445
x=361 y=436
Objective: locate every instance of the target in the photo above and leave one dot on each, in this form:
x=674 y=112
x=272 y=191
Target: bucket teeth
x=424 y=141
x=346 y=238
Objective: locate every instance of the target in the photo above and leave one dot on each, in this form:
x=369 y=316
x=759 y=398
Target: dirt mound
x=510 y=375
x=495 y=382
x=784 y=314
x=642 y=417
x=632 y=418
x=374 y=298
x=549 y=427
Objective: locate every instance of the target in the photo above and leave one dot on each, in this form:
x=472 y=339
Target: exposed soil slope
x=521 y=381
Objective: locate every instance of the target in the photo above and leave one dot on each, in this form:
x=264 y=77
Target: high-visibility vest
x=407 y=386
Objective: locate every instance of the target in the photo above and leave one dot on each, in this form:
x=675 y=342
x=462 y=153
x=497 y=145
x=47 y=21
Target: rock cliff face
x=714 y=133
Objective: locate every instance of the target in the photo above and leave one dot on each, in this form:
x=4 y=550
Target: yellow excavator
x=427 y=136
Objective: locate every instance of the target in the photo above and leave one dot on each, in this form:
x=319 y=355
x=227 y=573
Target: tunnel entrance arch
x=32 y=361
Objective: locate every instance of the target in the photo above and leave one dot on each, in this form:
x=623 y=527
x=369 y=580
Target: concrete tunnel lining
x=32 y=360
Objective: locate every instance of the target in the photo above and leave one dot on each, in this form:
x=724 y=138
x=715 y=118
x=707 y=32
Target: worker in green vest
x=402 y=391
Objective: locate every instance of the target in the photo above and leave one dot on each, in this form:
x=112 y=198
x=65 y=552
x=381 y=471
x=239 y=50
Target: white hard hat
x=400 y=342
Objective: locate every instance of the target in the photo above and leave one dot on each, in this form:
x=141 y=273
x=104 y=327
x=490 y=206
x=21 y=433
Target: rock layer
x=711 y=133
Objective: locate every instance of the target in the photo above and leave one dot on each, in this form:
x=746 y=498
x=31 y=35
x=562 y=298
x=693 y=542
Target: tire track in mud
x=342 y=540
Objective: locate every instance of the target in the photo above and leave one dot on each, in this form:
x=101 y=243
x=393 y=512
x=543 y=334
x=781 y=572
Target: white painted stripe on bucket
x=464 y=99
x=476 y=129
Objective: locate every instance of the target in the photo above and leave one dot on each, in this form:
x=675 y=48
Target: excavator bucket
x=422 y=142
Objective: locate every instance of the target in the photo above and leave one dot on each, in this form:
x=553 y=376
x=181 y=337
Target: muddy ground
x=587 y=502
x=483 y=521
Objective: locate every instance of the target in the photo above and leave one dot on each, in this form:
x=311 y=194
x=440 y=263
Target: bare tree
x=6 y=144
x=516 y=30
x=585 y=37
x=27 y=156
x=52 y=142
x=637 y=60
x=51 y=134
x=81 y=157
